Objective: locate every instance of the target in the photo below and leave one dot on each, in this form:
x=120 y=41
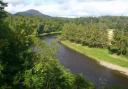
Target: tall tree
x=2 y=6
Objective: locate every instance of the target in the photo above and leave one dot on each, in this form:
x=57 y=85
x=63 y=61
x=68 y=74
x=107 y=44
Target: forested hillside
x=28 y=63
x=32 y=12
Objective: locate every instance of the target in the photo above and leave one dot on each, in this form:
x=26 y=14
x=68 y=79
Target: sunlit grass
x=98 y=54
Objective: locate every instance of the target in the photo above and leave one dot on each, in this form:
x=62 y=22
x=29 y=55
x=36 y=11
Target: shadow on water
x=80 y=64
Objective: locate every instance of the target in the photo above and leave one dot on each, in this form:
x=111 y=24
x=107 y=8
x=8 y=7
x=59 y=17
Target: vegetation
x=32 y=12
x=28 y=63
x=120 y=42
x=86 y=35
x=93 y=32
x=50 y=33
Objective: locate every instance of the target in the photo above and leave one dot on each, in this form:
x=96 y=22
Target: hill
x=31 y=12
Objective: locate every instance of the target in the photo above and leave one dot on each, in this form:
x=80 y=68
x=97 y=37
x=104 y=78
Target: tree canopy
x=28 y=63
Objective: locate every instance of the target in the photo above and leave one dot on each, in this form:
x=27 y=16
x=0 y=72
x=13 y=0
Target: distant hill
x=31 y=12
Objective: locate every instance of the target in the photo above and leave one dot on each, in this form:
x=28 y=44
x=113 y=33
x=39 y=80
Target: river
x=90 y=69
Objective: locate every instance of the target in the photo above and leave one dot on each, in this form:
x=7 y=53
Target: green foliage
x=2 y=12
x=119 y=44
x=49 y=25
x=28 y=63
x=92 y=32
x=86 y=35
x=16 y=55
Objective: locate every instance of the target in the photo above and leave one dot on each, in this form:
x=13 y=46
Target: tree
x=28 y=63
x=2 y=6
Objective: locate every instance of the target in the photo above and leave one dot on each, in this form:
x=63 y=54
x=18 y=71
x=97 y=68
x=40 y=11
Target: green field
x=98 y=54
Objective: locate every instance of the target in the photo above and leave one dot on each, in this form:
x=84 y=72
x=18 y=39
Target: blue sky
x=71 y=8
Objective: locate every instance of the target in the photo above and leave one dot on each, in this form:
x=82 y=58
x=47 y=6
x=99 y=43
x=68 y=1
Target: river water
x=90 y=69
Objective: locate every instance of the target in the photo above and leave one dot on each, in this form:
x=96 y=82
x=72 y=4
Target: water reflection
x=80 y=64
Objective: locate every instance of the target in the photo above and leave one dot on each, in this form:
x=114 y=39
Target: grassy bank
x=51 y=33
x=98 y=54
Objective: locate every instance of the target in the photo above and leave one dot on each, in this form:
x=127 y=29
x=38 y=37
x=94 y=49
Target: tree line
x=93 y=32
x=28 y=63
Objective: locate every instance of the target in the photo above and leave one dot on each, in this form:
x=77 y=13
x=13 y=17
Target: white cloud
x=15 y=2
x=71 y=8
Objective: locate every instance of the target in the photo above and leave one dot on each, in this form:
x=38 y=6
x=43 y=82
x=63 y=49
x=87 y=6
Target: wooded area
x=28 y=63
x=23 y=66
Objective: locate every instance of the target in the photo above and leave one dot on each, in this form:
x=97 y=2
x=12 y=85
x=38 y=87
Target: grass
x=98 y=54
x=51 y=33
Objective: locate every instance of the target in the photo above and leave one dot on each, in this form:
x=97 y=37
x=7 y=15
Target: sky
x=71 y=8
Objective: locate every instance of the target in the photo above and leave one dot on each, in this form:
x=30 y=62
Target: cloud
x=15 y=2
x=71 y=8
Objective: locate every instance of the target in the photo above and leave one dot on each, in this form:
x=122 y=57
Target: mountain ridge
x=31 y=12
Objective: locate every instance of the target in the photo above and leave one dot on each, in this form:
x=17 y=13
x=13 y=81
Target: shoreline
x=111 y=66
x=51 y=33
x=122 y=70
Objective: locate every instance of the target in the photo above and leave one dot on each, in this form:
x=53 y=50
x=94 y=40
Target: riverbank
x=51 y=33
x=113 y=62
